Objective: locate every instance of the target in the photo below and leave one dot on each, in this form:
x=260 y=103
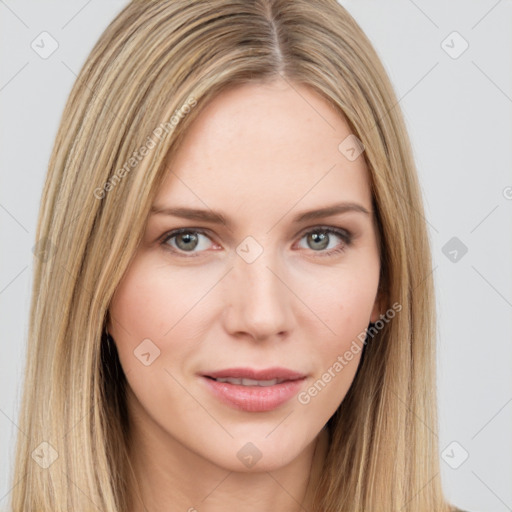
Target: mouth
x=253 y=390
x=263 y=375
x=249 y=382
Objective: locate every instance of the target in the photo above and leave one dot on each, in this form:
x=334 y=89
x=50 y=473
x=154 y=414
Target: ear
x=108 y=322
x=378 y=306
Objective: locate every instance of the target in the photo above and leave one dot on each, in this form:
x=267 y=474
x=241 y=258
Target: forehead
x=265 y=146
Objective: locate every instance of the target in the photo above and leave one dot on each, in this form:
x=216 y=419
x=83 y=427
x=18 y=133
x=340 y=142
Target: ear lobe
x=378 y=307
x=375 y=315
x=108 y=323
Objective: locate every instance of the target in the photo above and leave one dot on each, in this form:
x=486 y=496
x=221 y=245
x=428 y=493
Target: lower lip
x=254 y=398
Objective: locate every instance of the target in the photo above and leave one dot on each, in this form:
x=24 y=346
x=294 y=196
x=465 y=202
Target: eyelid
x=326 y=227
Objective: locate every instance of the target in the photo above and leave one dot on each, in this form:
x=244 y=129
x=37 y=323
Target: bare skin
x=260 y=154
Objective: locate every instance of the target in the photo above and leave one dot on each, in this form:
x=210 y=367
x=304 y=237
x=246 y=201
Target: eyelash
x=345 y=235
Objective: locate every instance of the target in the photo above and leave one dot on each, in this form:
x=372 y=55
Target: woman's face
x=274 y=286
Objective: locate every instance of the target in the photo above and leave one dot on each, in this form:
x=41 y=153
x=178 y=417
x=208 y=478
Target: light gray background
x=458 y=112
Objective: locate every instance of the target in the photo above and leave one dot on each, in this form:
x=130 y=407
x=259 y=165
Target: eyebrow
x=214 y=217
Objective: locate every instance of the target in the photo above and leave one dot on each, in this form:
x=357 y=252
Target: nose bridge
x=258 y=299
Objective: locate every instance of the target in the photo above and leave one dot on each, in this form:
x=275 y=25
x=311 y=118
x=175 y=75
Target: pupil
x=187 y=237
x=322 y=238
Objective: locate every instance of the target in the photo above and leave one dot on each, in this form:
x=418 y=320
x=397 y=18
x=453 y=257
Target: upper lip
x=251 y=373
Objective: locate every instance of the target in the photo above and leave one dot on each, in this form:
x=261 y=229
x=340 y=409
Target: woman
x=235 y=307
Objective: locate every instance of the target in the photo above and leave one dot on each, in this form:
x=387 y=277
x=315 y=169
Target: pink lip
x=254 y=398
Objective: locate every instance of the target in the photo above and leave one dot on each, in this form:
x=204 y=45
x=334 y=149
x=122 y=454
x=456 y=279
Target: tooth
x=230 y=380
x=272 y=382
x=249 y=382
x=252 y=382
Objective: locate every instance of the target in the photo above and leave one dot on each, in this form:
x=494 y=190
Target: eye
x=185 y=240
x=320 y=238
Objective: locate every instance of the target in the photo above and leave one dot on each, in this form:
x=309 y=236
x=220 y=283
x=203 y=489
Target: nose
x=258 y=299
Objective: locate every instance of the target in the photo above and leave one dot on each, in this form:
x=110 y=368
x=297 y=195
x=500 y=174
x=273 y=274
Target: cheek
x=344 y=303
x=153 y=303
x=342 y=297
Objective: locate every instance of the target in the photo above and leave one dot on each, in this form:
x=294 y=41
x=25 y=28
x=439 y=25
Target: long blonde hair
x=152 y=71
